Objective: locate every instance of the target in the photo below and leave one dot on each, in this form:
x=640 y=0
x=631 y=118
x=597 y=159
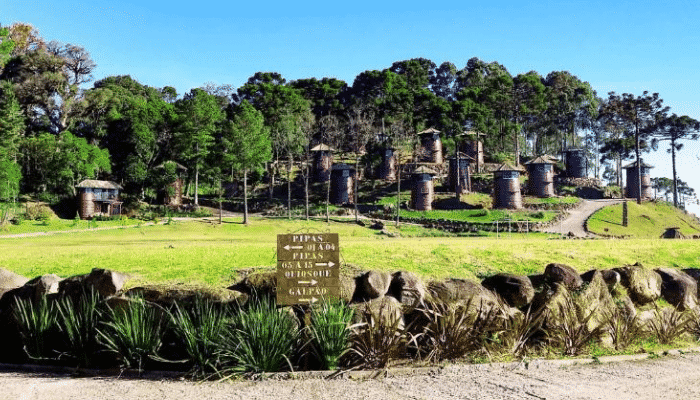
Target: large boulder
x=33 y=290
x=408 y=289
x=386 y=310
x=563 y=274
x=371 y=285
x=678 y=288
x=516 y=290
x=10 y=280
x=471 y=294
x=695 y=274
x=169 y=295
x=610 y=277
x=257 y=285
x=102 y=281
x=595 y=302
x=643 y=285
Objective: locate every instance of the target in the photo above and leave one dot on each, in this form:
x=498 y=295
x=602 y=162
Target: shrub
x=623 y=327
x=669 y=324
x=260 y=338
x=78 y=322
x=453 y=330
x=330 y=332
x=571 y=329
x=200 y=329
x=133 y=332
x=375 y=340
x=37 y=325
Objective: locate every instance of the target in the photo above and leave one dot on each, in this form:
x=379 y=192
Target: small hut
x=464 y=182
x=506 y=184
x=323 y=161
x=576 y=164
x=387 y=166
x=342 y=184
x=632 y=187
x=672 y=233
x=475 y=149
x=432 y=145
x=422 y=188
x=540 y=172
x=98 y=198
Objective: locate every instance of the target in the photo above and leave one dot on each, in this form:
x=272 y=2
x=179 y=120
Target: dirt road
x=668 y=378
x=576 y=219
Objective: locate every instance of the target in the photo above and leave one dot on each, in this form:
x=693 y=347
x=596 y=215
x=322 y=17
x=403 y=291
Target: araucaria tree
x=674 y=129
x=245 y=144
x=639 y=117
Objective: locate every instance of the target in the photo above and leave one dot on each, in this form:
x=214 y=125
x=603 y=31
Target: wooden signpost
x=308 y=268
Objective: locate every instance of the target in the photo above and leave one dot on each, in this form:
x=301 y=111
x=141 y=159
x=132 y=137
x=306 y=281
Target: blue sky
x=625 y=46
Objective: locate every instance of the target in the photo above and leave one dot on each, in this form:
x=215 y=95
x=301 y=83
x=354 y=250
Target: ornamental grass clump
x=78 y=321
x=260 y=338
x=669 y=324
x=623 y=327
x=200 y=328
x=570 y=327
x=38 y=325
x=376 y=340
x=133 y=332
x=453 y=330
x=330 y=332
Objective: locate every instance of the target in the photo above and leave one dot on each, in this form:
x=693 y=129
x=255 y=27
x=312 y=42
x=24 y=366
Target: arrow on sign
x=311 y=300
x=328 y=264
x=288 y=247
x=311 y=282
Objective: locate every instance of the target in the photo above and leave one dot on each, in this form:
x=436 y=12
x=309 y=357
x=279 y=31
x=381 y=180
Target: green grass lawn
x=203 y=253
x=646 y=220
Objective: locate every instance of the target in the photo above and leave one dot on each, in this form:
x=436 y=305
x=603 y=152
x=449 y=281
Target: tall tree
x=674 y=129
x=246 y=144
x=198 y=116
x=641 y=117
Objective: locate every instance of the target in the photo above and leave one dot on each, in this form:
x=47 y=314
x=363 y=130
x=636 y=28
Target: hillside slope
x=647 y=220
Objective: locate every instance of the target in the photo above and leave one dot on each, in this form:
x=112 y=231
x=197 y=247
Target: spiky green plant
x=78 y=322
x=37 y=325
x=133 y=332
x=330 y=331
x=261 y=338
x=623 y=327
x=669 y=324
x=453 y=330
x=380 y=337
x=518 y=332
x=570 y=328
x=200 y=328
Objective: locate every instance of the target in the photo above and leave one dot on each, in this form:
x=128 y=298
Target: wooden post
x=624 y=214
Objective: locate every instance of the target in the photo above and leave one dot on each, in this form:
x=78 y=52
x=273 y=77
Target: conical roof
x=462 y=156
x=507 y=167
x=423 y=170
x=540 y=160
x=431 y=131
x=321 y=147
x=634 y=165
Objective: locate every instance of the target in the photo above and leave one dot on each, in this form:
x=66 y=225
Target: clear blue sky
x=625 y=46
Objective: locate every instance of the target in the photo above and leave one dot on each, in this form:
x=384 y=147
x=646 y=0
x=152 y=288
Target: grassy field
x=205 y=253
x=647 y=220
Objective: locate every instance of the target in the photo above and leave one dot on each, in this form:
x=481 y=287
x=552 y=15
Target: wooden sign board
x=308 y=268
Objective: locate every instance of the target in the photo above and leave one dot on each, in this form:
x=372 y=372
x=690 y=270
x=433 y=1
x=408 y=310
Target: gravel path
x=668 y=378
x=575 y=221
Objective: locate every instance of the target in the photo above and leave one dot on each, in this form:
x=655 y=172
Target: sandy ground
x=669 y=377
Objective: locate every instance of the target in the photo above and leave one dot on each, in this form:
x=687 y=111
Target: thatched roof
x=541 y=160
x=95 y=184
x=508 y=167
x=474 y=133
x=423 y=170
x=321 y=147
x=634 y=165
x=430 y=131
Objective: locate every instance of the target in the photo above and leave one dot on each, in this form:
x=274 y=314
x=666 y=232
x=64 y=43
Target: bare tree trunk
x=306 y=189
x=398 y=191
x=289 y=188
x=638 y=172
x=221 y=208
x=245 y=196
x=357 y=178
x=196 y=184
x=675 y=179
